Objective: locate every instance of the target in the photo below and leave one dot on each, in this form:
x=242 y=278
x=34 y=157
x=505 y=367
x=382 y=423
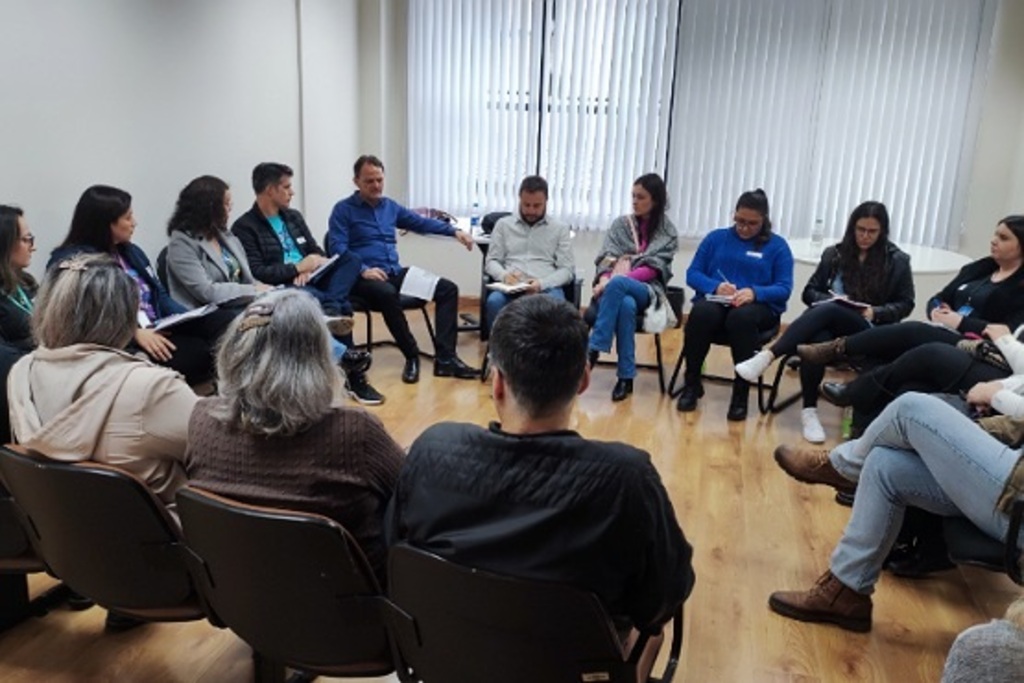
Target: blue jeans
x=498 y=300
x=337 y=350
x=332 y=288
x=919 y=452
x=617 y=307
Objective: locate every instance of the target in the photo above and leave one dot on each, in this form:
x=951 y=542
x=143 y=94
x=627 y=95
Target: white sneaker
x=754 y=367
x=813 y=431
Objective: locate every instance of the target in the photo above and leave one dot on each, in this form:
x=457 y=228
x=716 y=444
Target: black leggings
x=886 y=343
x=935 y=368
x=817 y=324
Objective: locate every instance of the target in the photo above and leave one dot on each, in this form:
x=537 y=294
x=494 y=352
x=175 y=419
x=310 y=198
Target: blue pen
x=722 y=275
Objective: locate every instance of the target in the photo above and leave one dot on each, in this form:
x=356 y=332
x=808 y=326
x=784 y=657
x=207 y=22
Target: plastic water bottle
x=817 y=237
x=474 y=219
x=846 y=424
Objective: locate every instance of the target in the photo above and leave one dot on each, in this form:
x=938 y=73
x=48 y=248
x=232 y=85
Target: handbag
x=985 y=351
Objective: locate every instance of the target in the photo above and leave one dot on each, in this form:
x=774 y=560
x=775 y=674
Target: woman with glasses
x=863 y=281
x=985 y=299
x=18 y=287
x=742 y=276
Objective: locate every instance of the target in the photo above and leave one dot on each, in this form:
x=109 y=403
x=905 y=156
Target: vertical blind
x=823 y=103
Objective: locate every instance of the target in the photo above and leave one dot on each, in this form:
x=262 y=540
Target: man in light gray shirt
x=529 y=251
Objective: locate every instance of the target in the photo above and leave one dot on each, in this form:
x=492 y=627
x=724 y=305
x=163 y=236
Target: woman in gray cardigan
x=206 y=263
x=634 y=266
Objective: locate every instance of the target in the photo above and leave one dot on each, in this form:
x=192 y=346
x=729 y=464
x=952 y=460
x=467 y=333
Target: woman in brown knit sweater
x=277 y=436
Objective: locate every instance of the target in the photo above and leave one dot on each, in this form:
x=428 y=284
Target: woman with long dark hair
x=747 y=270
x=863 y=281
x=103 y=222
x=634 y=266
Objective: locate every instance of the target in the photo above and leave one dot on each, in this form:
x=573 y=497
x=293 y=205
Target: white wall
x=147 y=94
x=996 y=185
x=330 y=66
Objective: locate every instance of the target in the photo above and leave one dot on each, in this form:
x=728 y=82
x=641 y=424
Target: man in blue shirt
x=365 y=224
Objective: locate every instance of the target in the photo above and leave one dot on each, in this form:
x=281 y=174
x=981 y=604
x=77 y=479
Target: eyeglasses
x=868 y=232
x=30 y=240
x=740 y=223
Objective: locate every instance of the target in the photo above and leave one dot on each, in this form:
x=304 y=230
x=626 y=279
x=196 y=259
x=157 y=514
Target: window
x=823 y=103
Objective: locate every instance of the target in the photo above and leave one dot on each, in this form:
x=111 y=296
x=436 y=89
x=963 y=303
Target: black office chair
x=967 y=544
x=487 y=224
x=293 y=585
x=676 y=299
x=103 y=532
x=463 y=625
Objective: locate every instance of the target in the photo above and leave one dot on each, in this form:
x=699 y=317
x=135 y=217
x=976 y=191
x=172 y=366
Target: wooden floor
x=753 y=530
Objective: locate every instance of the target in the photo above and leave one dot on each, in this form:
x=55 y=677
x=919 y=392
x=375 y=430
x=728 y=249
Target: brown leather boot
x=812 y=466
x=828 y=601
x=822 y=353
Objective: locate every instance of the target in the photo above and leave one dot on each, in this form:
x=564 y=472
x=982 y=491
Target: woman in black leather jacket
x=862 y=282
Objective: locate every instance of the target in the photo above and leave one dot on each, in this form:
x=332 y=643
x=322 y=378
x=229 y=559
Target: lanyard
x=21 y=300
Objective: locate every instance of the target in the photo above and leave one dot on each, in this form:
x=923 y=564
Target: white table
x=923 y=260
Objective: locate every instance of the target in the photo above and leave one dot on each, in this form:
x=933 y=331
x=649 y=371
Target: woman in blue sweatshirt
x=748 y=272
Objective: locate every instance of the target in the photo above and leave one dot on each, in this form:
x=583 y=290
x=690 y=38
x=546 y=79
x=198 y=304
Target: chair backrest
x=161 y=268
x=967 y=544
x=295 y=586
x=488 y=222
x=99 y=529
x=676 y=299
x=468 y=625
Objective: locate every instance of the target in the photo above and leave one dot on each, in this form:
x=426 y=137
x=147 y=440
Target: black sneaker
x=361 y=390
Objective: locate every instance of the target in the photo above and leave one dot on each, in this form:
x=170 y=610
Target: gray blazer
x=196 y=274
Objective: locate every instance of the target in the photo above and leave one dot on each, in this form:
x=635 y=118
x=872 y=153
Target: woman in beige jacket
x=80 y=396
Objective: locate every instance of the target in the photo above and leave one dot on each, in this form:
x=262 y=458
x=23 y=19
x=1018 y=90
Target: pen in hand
x=725 y=280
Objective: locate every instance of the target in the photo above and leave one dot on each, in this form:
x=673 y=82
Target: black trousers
x=741 y=327
x=383 y=296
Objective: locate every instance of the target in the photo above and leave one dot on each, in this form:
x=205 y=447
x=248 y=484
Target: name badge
x=755 y=254
x=301 y=240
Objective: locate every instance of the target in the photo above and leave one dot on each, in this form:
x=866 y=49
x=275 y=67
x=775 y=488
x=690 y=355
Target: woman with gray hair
x=277 y=435
x=81 y=396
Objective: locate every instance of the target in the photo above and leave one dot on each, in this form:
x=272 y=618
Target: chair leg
x=772 y=404
x=15 y=606
x=672 y=391
x=430 y=327
x=661 y=365
x=266 y=670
